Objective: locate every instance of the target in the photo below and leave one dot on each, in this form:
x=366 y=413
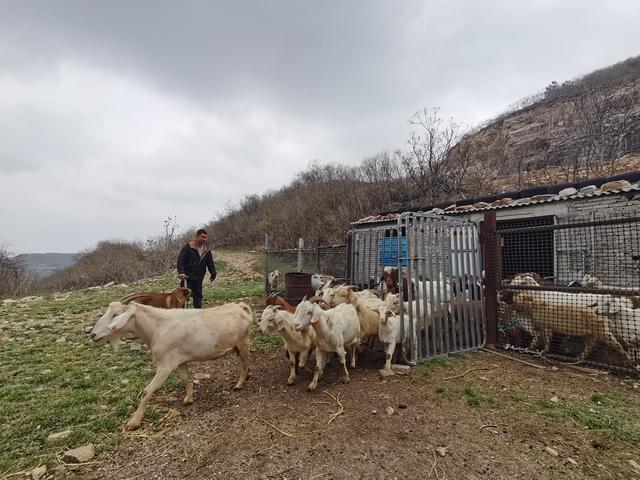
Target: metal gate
x=441 y=260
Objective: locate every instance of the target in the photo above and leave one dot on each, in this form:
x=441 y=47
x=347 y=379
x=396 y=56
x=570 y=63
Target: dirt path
x=493 y=422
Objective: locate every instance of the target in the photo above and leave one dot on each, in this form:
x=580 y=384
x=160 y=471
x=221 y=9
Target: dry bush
x=15 y=278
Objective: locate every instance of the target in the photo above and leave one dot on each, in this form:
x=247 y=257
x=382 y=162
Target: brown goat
x=392 y=285
x=175 y=299
x=275 y=299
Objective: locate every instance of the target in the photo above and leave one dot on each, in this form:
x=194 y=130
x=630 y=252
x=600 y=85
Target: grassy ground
x=53 y=379
x=612 y=416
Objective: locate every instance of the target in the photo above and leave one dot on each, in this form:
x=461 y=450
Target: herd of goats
x=338 y=320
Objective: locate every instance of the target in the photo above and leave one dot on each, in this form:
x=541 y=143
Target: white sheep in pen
x=177 y=337
x=298 y=343
x=625 y=325
x=337 y=330
x=585 y=300
x=549 y=317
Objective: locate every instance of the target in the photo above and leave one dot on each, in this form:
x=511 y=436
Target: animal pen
x=568 y=288
x=551 y=271
x=325 y=259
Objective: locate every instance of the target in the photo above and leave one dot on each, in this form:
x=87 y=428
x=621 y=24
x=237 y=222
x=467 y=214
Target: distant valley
x=45 y=264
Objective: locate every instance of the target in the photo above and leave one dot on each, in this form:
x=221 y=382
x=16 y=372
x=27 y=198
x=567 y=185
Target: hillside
x=581 y=126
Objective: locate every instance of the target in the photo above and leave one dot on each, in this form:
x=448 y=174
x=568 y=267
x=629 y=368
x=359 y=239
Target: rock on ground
x=38 y=472
x=79 y=455
x=58 y=435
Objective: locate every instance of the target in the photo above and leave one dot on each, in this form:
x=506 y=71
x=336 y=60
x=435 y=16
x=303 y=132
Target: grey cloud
x=131 y=111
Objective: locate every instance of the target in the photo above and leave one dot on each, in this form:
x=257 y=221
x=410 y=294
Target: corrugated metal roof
x=566 y=194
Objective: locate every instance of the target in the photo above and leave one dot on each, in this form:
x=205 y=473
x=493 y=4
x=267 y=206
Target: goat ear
x=315 y=319
x=120 y=321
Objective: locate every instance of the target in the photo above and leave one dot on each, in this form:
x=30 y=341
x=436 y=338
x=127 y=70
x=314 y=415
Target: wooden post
x=490 y=256
x=300 y=256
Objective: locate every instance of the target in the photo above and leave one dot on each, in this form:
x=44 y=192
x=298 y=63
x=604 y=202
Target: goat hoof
x=311 y=388
x=132 y=424
x=237 y=387
x=291 y=382
x=187 y=401
x=345 y=379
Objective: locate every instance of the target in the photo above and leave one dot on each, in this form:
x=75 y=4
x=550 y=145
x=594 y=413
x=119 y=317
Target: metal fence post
x=300 y=254
x=266 y=263
x=490 y=255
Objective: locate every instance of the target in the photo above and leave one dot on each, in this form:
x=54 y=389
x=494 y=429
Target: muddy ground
x=495 y=422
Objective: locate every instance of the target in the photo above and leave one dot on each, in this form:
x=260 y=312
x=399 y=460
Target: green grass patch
x=429 y=366
x=475 y=398
x=612 y=416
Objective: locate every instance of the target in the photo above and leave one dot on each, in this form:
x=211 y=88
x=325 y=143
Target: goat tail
x=246 y=308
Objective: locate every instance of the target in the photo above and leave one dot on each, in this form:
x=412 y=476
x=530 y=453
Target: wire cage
x=323 y=259
x=569 y=288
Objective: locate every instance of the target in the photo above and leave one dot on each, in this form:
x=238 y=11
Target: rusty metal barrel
x=297 y=285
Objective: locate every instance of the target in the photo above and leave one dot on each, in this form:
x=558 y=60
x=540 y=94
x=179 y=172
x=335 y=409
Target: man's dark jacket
x=194 y=266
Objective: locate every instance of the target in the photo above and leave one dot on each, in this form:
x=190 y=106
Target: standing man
x=193 y=261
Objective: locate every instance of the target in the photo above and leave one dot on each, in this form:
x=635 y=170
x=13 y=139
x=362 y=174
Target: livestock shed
x=558 y=268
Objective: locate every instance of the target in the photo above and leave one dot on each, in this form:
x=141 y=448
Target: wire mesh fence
x=570 y=288
x=323 y=259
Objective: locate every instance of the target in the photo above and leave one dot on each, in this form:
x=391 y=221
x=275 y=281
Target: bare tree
x=607 y=125
x=425 y=162
x=15 y=278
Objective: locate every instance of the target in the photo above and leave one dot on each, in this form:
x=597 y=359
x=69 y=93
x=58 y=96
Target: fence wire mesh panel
x=440 y=259
x=570 y=288
x=325 y=259
x=371 y=250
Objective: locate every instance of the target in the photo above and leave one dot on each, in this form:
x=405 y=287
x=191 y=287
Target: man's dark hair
x=201 y=231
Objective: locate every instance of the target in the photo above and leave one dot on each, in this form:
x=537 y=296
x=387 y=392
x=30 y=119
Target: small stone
x=389 y=411
x=374 y=412
x=634 y=465
x=555 y=369
x=58 y=436
x=46 y=372
x=385 y=372
x=442 y=451
x=572 y=461
x=124 y=381
x=551 y=451
x=61 y=339
x=554 y=399
x=38 y=472
x=400 y=369
x=79 y=455
x=592 y=410
x=135 y=347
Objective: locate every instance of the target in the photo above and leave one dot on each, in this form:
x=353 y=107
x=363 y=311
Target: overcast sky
x=114 y=115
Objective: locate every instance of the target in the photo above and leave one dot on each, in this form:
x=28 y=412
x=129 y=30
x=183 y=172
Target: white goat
x=625 y=325
x=298 y=343
x=336 y=330
x=272 y=280
x=567 y=319
x=591 y=281
x=177 y=337
x=389 y=333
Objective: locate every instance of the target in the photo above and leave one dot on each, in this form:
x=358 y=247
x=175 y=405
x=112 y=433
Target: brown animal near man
x=176 y=299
